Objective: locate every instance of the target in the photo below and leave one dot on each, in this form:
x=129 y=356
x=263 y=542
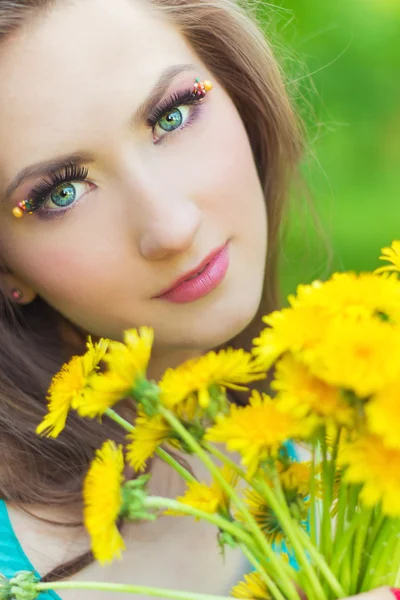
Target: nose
x=170 y=229
x=166 y=220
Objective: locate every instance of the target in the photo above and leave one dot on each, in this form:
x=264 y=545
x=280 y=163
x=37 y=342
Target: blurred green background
x=343 y=61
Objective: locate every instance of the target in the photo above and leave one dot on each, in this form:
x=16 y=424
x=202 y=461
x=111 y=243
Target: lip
x=189 y=287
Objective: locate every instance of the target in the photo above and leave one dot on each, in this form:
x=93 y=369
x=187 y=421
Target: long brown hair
x=41 y=471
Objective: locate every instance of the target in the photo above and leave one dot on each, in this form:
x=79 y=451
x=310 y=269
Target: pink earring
x=16 y=294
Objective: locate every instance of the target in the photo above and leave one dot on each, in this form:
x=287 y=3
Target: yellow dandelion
x=102 y=494
x=69 y=385
x=298 y=387
x=391 y=255
x=198 y=495
x=258 y=430
x=208 y=498
x=128 y=361
x=358 y=355
x=228 y=368
x=295 y=329
x=264 y=516
x=102 y=392
x=383 y=414
x=252 y=587
x=355 y=295
x=149 y=434
x=297 y=478
x=377 y=468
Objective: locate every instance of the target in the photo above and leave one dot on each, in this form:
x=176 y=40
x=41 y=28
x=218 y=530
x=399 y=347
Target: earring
x=17 y=295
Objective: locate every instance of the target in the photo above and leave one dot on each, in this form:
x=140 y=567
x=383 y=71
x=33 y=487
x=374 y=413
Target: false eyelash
x=180 y=98
x=71 y=172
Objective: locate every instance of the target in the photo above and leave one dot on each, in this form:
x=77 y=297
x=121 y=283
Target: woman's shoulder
x=12 y=555
x=32 y=538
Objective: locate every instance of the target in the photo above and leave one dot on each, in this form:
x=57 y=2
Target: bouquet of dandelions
x=326 y=527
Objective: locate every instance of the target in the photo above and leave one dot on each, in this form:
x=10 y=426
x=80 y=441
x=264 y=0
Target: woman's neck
x=164 y=359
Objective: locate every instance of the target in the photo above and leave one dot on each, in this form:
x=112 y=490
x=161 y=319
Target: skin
x=157 y=209
x=154 y=211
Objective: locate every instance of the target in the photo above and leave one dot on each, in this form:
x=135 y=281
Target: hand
x=379 y=594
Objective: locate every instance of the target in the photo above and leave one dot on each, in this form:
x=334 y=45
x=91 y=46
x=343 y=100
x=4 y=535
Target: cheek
x=67 y=271
x=230 y=182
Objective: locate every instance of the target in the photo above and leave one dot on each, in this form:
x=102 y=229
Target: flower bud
x=5 y=588
x=23 y=586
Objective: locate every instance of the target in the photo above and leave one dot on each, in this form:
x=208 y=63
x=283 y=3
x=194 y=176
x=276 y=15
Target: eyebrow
x=47 y=167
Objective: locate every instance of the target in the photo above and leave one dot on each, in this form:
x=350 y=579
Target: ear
x=16 y=289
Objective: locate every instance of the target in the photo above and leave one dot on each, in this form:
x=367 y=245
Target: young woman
x=127 y=199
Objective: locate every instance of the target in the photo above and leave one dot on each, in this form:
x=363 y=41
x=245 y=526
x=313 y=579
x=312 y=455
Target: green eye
x=64 y=194
x=171 y=120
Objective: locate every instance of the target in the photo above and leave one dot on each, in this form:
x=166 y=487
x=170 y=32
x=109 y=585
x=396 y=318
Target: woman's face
x=162 y=193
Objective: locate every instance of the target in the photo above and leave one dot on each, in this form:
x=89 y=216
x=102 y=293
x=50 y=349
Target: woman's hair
x=36 y=470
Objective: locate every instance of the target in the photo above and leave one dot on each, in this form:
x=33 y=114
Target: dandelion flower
x=103 y=501
x=297 y=478
x=252 y=587
x=228 y=368
x=358 y=355
x=102 y=392
x=391 y=255
x=258 y=430
x=298 y=387
x=377 y=468
x=70 y=385
x=383 y=414
x=361 y=295
x=128 y=361
x=199 y=495
x=264 y=516
x=208 y=498
x=297 y=329
x=147 y=436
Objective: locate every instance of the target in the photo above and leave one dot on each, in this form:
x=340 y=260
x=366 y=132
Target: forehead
x=79 y=62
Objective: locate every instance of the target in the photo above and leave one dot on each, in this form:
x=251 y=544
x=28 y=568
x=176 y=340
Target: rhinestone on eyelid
x=22 y=208
x=200 y=88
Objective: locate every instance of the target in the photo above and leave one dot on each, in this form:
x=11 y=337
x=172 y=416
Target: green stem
x=359 y=550
x=376 y=553
x=214 y=518
x=125 y=589
x=211 y=449
x=326 y=525
x=167 y=458
x=342 y=545
x=313 y=516
x=323 y=566
x=397 y=562
x=345 y=576
x=318 y=558
x=292 y=530
x=376 y=527
x=278 y=565
x=383 y=556
x=271 y=585
x=341 y=514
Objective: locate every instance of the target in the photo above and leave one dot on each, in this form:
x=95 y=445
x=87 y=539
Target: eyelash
x=40 y=192
x=72 y=172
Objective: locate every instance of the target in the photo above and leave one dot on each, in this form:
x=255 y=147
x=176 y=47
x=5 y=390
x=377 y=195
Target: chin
x=221 y=325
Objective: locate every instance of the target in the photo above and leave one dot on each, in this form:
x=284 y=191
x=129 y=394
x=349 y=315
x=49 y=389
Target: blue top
x=12 y=556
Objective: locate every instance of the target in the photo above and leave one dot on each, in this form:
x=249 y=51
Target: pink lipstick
x=199 y=281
